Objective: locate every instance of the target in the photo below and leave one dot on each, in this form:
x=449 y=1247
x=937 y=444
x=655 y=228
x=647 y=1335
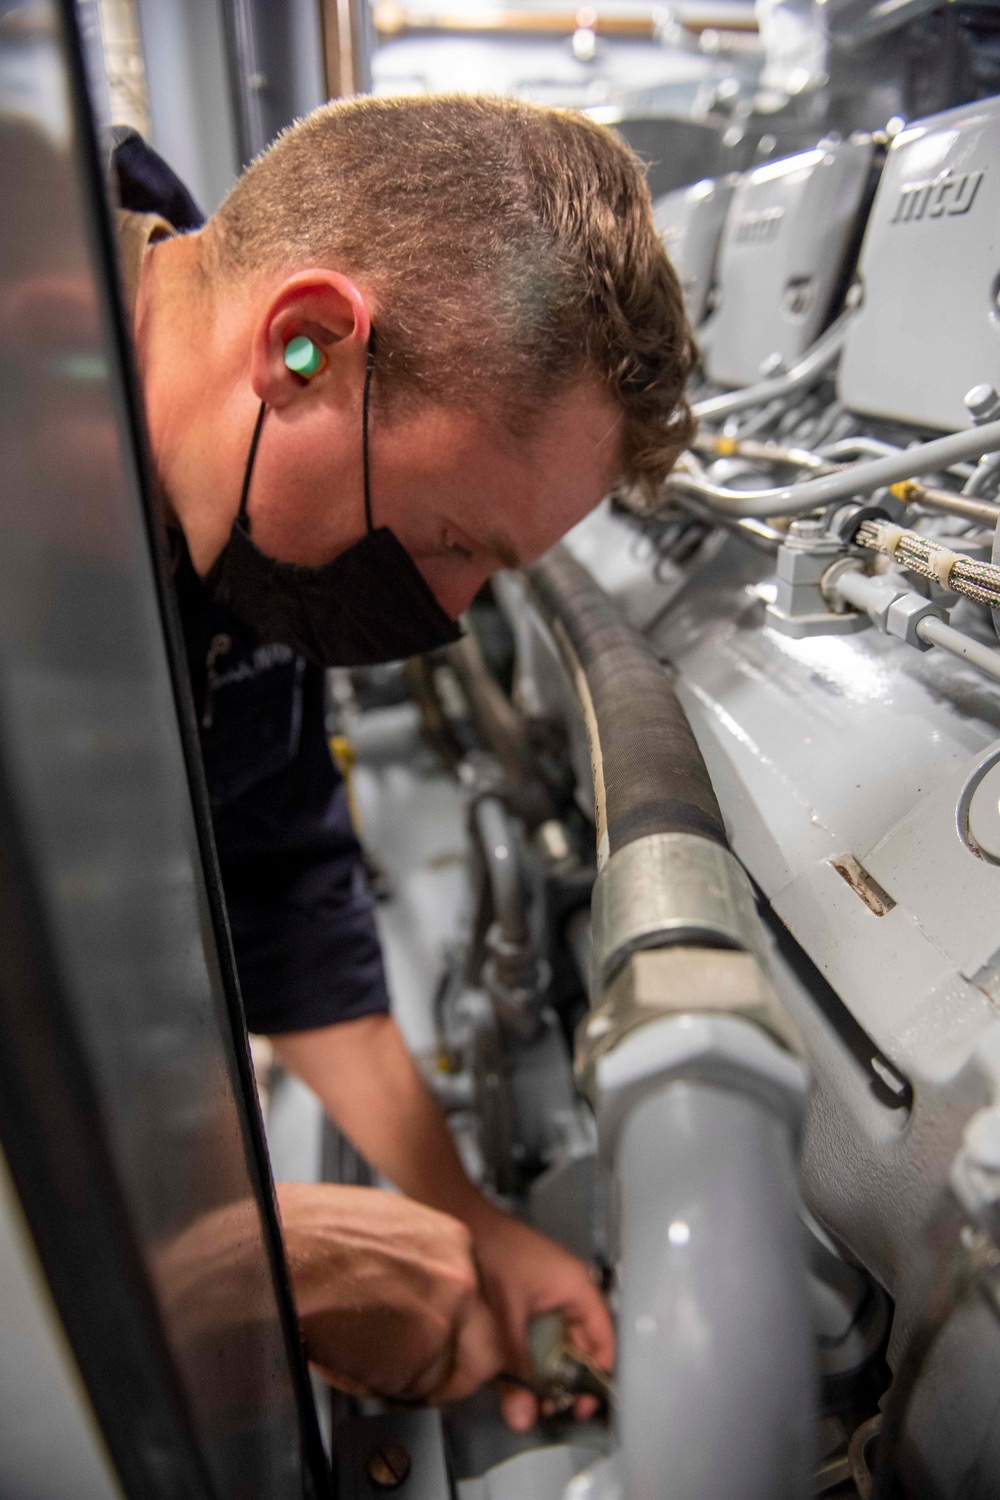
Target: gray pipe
x=497 y=840
x=957 y=643
x=859 y=479
x=716 y=1382
x=809 y=368
x=868 y=592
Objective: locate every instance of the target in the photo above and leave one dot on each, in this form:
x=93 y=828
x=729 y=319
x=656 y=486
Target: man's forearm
x=368 y=1083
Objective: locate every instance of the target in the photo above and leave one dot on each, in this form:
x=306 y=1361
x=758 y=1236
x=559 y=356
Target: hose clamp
x=669 y=888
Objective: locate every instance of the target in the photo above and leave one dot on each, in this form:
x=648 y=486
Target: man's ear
x=326 y=307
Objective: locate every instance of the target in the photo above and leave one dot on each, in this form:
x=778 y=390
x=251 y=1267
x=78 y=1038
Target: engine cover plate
x=789 y=228
x=929 y=328
x=689 y=222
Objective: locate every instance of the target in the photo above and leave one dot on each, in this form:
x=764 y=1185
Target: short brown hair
x=509 y=249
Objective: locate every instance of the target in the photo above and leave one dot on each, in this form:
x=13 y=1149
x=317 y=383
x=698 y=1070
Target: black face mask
x=370 y=605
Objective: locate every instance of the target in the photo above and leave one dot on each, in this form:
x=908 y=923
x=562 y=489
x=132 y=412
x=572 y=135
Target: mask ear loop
x=243 y=520
x=241 y=515
x=365 y=404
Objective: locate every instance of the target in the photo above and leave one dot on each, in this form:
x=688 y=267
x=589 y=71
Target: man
x=418 y=342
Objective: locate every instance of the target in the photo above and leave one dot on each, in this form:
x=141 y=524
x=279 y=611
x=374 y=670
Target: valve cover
x=789 y=228
x=689 y=222
x=929 y=328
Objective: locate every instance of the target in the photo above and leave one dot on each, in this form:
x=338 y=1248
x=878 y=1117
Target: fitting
x=516 y=980
x=669 y=888
x=905 y=614
x=660 y=984
x=724 y=1051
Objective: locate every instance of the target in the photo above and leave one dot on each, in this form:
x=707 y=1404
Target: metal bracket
x=800 y=606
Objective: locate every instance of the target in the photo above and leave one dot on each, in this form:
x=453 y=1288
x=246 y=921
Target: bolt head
x=807 y=527
x=388 y=1466
x=983 y=403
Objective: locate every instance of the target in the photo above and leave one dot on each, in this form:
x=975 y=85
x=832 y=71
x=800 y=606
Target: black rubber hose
x=649 y=775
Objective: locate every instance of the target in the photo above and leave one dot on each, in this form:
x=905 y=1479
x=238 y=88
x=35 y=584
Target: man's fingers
x=519 y=1407
x=478 y=1354
x=590 y=1328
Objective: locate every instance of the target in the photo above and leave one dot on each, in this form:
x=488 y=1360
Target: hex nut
x=904 y=615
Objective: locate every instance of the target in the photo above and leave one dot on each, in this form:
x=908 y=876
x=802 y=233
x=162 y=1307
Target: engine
x=726 y=1022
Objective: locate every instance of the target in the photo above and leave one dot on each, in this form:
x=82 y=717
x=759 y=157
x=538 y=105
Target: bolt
x=982 y=1140
x=983 y=404
x=388 y=1466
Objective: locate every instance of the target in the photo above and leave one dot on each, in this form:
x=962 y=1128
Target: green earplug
x=303 y=357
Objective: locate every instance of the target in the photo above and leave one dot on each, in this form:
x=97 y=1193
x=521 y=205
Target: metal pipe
x=856 y=447
x=715 y=1369
x=757 y=534
x=871 y=593
x=859 y=479
x=496 y=838
x=947 y=502
x=767 y=452
x=938 y=633
x=810 y=367
x=983 y=475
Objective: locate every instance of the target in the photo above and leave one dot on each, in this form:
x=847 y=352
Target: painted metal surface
x=853 y=746
x=928 y=329
x=689 y=221
x=789 y=226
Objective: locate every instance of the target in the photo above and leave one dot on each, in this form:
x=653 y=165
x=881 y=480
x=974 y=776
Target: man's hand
x=387 y=1294
x=524 y=1274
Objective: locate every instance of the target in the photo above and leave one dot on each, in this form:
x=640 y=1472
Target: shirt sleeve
x=300 y=910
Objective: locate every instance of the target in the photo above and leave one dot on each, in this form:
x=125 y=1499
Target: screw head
x=983 y=403
x=388 y=1466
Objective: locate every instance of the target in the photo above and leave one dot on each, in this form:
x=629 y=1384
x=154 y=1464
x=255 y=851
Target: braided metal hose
x=953 y=570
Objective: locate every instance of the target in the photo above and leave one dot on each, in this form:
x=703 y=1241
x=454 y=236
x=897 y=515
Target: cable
x=953 y=570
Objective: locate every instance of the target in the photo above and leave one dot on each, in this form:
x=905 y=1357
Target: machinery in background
x=814 y=594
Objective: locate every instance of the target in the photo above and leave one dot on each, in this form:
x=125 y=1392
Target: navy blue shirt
x=300 y=909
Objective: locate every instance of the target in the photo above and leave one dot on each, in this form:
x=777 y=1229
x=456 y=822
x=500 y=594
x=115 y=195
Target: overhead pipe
x=857 y=479
x=698 y=1093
